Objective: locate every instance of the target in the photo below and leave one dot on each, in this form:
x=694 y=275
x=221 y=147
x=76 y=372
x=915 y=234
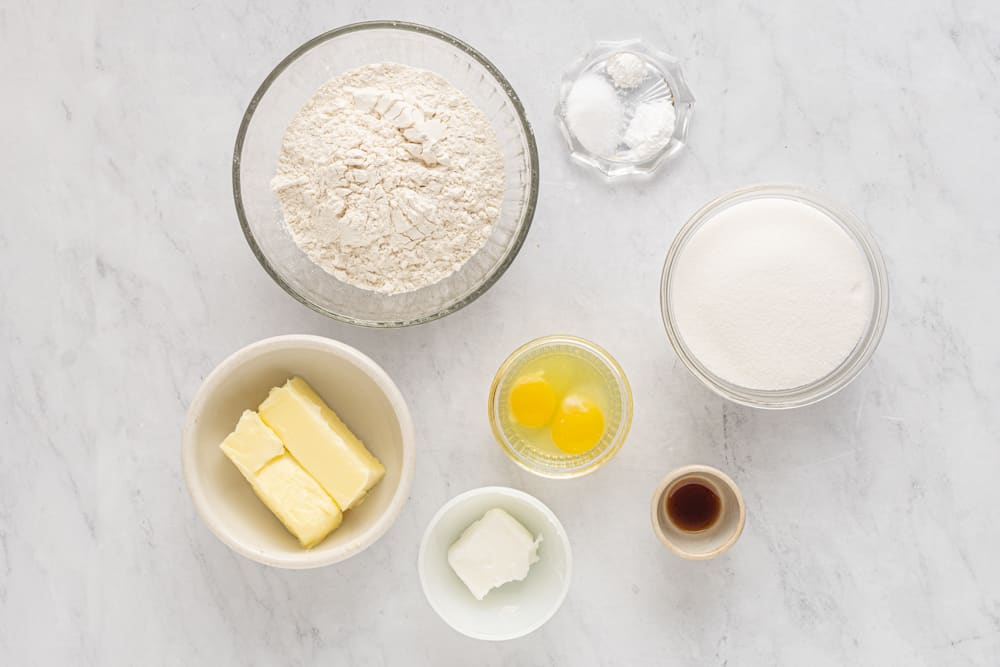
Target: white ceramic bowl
x=516 y=608
x=355 y=387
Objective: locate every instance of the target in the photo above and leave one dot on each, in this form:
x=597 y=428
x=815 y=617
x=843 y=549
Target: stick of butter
x=493 y=551
x=323 y=444
x=298 y=501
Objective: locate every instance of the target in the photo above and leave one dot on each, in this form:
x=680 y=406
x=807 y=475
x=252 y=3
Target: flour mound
x=390 y=178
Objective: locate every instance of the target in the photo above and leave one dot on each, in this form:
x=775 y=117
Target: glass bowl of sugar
x=624 y=108
x=774 y=297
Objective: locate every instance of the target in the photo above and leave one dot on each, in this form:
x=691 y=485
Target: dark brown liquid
x=693 y=506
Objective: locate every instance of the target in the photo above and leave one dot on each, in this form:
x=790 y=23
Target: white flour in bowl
x=390 y=178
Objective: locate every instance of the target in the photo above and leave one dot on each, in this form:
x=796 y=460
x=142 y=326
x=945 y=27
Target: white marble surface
x=872 y=535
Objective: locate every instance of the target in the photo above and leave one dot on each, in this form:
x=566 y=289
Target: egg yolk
x=532 y=401
x=578 y=425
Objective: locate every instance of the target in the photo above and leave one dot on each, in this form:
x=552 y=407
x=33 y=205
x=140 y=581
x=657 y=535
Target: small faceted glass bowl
x=618 y=420
x=849 y=368
x=289 y=87
x=664 y=80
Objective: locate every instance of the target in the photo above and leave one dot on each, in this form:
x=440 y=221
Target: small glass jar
x=618 y=419
x=849 y=368
x=664 y=81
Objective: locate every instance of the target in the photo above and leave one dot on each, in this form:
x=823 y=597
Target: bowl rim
x=624 y=387
x=527 y=216
x=855 y=362
x=507 y=491
x=298 y=341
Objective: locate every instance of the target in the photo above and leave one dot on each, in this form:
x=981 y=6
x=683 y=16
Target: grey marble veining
x=872 y=536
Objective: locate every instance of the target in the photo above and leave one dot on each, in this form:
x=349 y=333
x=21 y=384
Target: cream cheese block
x=291 y=494
x=493 y=551
x=321 y=442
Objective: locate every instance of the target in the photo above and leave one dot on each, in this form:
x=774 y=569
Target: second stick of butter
x=321 y=442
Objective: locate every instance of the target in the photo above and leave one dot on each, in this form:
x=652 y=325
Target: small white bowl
x=516 y=608
x=355 y=387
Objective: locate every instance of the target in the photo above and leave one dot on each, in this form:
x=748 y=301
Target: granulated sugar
x=771 y=294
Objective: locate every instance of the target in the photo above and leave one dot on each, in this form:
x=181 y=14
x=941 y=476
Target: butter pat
x=322 y=443
x=493 y=551
x=298 y=501
x=252 y=445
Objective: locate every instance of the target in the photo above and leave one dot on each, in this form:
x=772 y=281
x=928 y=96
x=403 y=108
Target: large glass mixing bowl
x=286 y=90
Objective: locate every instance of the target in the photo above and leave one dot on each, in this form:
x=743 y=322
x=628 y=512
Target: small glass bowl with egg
x=560 y=406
